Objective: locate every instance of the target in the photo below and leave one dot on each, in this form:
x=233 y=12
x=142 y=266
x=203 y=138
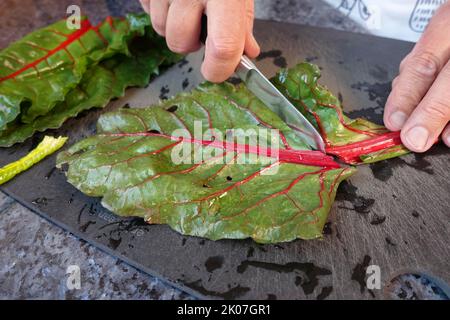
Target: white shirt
x=398 y=19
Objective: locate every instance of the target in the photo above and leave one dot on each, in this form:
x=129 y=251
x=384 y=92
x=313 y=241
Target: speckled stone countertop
x=36 y=253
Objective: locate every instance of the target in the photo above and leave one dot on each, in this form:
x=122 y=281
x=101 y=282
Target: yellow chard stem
x=47 y=146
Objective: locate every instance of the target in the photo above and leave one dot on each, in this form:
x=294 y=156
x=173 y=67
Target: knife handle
x=204 y=29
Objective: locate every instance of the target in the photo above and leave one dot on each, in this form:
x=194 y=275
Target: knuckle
x=394 y=82
x=225 y=49
x=194 y=4
x=425 y=64
x=438 y=109
x=402 y=95
x=250 y=12
x=406 y=102
x=404 y=62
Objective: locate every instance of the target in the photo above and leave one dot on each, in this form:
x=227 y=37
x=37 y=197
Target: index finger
x=418 y=71
x=226 y=38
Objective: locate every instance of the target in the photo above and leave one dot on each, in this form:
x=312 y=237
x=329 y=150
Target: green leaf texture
x=37 y=71
x=353 y=140
x=224 y=196
x=88 y=72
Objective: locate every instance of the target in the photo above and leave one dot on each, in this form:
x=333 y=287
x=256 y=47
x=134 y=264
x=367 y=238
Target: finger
x=418 y=71
x=394 y=82
x=446 y=135
x=145 y=5
x=416 y=77
x=183 y=25
x=430 y=117
x=158 y=15
x=251 y=47
x=226 y=38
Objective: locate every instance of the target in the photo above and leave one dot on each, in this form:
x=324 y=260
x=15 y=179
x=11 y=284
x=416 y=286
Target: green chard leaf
x=353 y=141
x=134 y=53
x=37 y=71
x=275 y=197
x=232 y=191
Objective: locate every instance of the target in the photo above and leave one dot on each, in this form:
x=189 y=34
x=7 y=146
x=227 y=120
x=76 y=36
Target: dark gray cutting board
x=394 y=214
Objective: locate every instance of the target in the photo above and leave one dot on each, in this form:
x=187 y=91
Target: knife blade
x=262 y=88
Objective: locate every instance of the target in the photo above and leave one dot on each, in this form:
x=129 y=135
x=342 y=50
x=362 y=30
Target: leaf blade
x=114 y=74
x=132 y=169
x=39 y=70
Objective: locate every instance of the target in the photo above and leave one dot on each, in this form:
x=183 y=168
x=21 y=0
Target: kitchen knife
x=262 y=88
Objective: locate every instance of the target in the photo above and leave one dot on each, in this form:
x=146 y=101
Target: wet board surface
x=394 y=214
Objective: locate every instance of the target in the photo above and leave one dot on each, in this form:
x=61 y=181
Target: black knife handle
x=204 y=29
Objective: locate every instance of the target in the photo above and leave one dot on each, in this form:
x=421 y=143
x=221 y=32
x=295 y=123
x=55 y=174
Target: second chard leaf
x=38 y=71
x=141 y=58
x=352 y=140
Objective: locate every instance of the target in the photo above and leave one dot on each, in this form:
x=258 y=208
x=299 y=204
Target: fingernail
x=418 y=137
x=398 y=119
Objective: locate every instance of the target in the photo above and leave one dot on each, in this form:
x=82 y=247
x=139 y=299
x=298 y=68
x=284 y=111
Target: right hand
x=230 y=31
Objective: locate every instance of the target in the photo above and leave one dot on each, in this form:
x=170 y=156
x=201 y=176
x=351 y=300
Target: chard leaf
x=38 y=71
x=130 y=164
x=102 y=82
x=352 y=140
x=99 y=85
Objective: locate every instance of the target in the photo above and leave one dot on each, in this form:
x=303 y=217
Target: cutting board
x=393 y=214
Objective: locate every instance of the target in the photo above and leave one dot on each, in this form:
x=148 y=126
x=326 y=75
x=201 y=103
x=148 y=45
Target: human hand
x=419 y=104
x=230 y=31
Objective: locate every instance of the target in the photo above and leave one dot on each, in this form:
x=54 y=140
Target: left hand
x=419 y=104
